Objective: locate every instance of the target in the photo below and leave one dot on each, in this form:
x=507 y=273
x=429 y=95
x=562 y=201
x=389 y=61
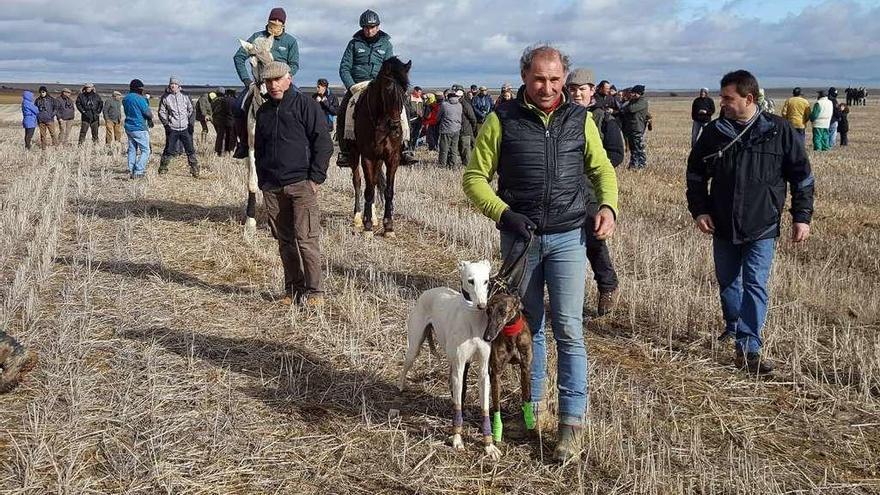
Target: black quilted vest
x=541 y=169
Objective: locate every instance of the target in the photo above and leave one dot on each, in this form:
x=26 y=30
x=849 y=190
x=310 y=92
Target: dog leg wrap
x=457 y=422
x=528 y=415
x=497 y=426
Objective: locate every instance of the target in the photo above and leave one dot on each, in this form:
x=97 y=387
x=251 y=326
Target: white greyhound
x=457 y=320
x=260 y=54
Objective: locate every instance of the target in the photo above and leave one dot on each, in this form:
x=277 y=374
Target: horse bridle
x=393 y=124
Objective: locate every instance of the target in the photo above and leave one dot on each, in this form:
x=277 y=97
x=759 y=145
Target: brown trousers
x=51 y=130
x=64 y=131
x=295 y=221
x=114 y=131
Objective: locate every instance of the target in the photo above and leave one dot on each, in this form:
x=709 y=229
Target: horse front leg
x=388 y=219
x=358 y=196
x=369 y=194
x=250 y=223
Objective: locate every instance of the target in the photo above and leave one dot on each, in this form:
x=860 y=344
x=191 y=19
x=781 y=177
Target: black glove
x=150 y=123
x=516 y=223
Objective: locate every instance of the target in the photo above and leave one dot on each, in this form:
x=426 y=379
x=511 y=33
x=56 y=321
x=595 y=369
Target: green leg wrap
x=497 y=427
x=528 y=415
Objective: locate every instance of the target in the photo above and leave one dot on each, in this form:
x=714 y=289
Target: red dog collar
x=514 y=328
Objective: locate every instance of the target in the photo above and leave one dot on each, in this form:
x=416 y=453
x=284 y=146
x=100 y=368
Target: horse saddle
x=356 y=92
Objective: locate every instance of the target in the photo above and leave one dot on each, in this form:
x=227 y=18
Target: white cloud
x=626 y=41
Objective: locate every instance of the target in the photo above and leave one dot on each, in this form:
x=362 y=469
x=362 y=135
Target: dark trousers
x=600 y=259
x=433 y=137
x=415 y=131
x=84 y=128
x=449 y=156
x=465 y=146
x=175 y=139
x=844 y=140
x=28 y=137
x=802 y=134
x=295 y=221
x=226 y=138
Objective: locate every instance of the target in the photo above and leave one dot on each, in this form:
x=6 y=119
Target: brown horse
x=379 y=133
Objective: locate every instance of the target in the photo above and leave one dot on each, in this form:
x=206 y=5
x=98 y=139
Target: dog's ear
x=462 y=266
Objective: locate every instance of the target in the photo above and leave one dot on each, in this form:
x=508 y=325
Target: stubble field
x=167 y=366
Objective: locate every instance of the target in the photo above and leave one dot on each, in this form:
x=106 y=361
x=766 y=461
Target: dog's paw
x=493 y=452
x=457 y=442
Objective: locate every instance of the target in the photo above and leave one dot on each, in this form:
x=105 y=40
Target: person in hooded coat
x=29 y=112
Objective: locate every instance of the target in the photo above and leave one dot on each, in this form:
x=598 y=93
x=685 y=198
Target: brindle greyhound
x=511 y=340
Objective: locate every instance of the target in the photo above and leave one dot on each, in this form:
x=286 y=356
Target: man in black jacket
x=327 y=100
x=292 y=147
x=736 y=184
x=580 y=86
x=702 y=110
x=90 y=107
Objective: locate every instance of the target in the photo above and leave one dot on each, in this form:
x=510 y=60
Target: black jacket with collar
x=744 y=189
x=292 y=141
x=702 y=103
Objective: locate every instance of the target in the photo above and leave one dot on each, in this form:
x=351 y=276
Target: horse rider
x=363 y=57
x=284 y=49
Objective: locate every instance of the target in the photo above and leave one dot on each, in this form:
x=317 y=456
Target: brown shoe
x=753 y=363
x=607 y=302
x=313 y=300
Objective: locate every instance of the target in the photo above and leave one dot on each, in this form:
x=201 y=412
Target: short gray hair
x=542 y=49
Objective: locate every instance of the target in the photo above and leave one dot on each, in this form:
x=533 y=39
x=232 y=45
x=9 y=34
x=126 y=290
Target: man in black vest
x=543 y=148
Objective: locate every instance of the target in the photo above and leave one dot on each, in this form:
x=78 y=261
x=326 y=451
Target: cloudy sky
x=661 y=43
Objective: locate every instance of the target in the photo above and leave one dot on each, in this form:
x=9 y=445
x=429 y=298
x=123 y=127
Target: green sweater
x=483 y=166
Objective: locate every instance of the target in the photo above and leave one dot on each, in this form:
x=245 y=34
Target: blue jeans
x=138 y=141
x=802 y=133
x=559 y=261
x=832 y=134
x=742 y=271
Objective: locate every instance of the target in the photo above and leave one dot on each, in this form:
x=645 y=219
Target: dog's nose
x=481 y=306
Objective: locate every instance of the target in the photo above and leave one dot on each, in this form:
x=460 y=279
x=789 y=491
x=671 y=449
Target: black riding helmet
x=369 y=18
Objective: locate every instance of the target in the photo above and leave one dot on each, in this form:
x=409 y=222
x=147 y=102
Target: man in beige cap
x=65 y=115
x=113 y=121
x=292 y=148
x=581 y=85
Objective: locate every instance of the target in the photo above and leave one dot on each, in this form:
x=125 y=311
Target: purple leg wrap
x=487 y=426
x=457 y=420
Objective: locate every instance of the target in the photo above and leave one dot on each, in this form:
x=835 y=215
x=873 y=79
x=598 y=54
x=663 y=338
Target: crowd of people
x=828 y=117
x=447 y=122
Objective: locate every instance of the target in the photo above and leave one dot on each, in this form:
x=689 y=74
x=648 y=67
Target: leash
x=512 y=273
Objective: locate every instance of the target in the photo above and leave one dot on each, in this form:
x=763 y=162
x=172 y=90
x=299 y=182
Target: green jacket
x=483 y=165
x=362 y=59
x=634 y=115
x=284 y=49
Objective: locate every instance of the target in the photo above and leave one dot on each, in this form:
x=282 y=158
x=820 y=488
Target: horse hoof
x=358 y=221
x=250 y=225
